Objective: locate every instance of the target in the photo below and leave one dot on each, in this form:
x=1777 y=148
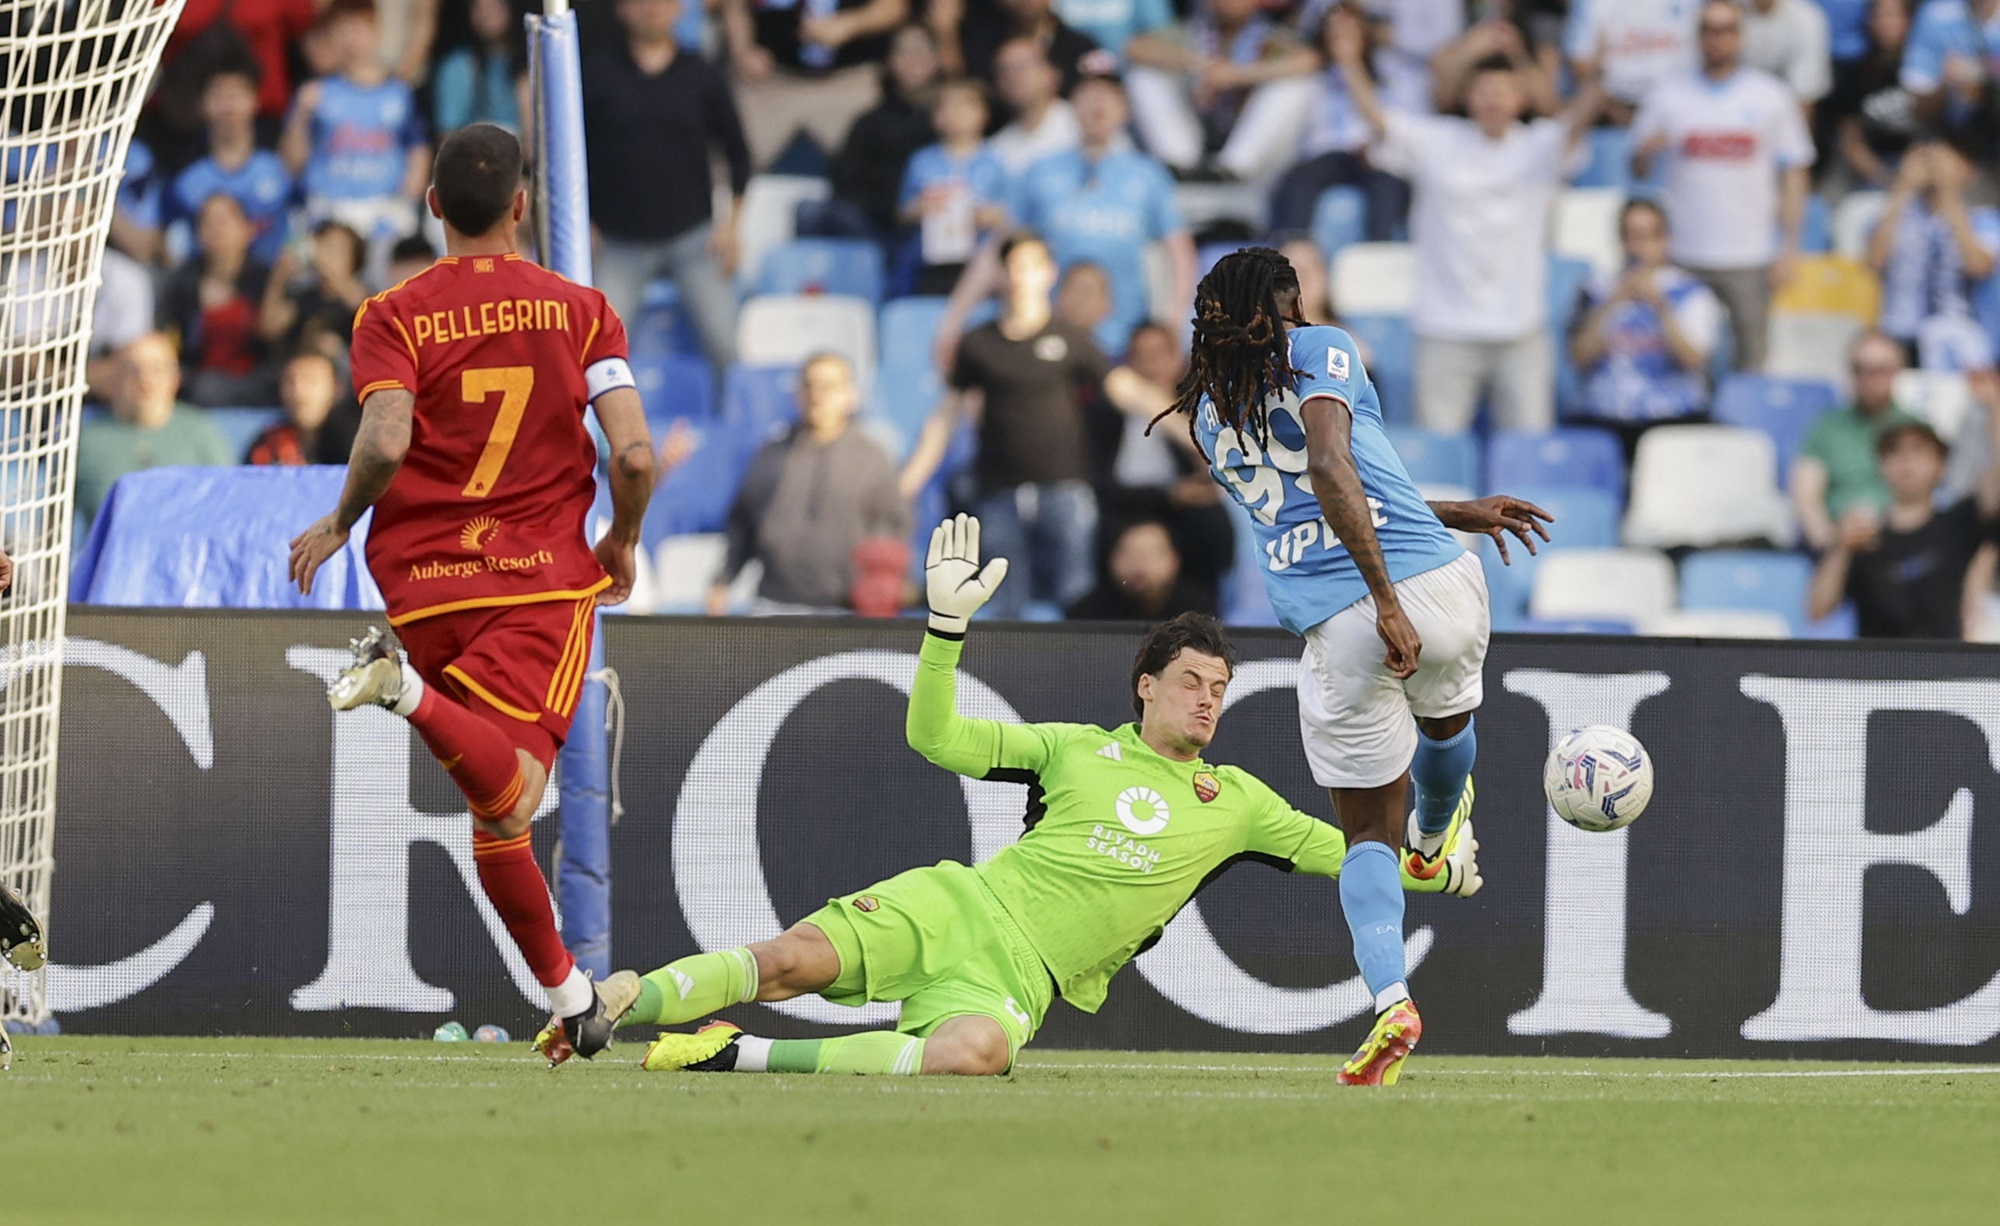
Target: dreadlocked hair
x=1240 y=356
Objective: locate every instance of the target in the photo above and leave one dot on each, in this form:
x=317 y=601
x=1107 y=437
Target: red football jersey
x=489 y=506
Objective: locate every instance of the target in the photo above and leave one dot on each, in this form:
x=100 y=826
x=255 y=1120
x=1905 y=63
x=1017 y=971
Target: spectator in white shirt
x=1789 y=39
x=1738 y=156
x=1227 y=89
x=1632 y=45
x=1043 y=124
x=1483 y=192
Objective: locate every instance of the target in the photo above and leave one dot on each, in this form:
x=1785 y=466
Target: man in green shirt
x=1124 y=826
x=1836 y=468
x=149 y=426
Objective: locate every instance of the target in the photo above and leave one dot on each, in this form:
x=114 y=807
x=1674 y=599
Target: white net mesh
x=72 y=76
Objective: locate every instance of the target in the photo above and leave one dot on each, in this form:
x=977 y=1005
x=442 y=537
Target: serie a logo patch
x=1336 y=363
x=865 y=903
x=1206 y=787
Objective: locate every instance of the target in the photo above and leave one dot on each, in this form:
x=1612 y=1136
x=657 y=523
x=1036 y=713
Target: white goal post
x=73 y=74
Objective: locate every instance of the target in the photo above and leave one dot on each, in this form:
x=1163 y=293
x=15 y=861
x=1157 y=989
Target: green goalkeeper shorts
x=938 y=940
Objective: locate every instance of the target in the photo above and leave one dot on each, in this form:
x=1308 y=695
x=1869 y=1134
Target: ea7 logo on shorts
x=865 y=903
x=1336 y=363
x=1143 y=810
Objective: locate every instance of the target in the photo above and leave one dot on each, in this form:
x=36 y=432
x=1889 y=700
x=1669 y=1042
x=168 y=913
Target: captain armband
x=607 y=373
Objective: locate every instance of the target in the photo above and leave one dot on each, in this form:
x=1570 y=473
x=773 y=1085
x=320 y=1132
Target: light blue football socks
x=1371 y=896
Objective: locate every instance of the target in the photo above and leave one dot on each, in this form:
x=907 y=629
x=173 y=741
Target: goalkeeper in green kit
x=1123 y=826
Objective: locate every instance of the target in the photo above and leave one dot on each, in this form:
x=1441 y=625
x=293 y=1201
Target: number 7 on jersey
x=515 y=384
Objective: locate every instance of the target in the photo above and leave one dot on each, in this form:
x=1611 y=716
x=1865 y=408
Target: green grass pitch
x=307 y=1131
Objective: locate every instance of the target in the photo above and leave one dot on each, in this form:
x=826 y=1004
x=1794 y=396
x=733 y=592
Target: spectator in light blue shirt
x=478 y=83
x=953 y=190
x=1113 y=22
x=235 y=167
x=355 y=140
x=1106 y=204
x=1954 y=50
x=135 y=214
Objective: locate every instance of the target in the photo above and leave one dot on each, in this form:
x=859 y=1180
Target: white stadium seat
x=685 y=567
x=1940 y=397
x=1854 y=221
x=770 y=216
x=786 y=329
x=1630 y=585
x=1374 y=278
x=1706 y=485
x=1811 y=345
x=1717 y=624
x=1586 y=227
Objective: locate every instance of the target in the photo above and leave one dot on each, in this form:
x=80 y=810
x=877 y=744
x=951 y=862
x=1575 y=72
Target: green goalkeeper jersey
x=1118 y=837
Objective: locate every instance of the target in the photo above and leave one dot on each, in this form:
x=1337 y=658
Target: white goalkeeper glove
x=953 y=580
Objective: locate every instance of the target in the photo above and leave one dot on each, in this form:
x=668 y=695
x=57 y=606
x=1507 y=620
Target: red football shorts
x=521 y=665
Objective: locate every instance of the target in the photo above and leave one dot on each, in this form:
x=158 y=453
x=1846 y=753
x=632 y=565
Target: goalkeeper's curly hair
x=1240 y=356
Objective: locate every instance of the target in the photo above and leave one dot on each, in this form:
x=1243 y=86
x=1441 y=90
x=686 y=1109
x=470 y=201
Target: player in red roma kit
x=474 y=376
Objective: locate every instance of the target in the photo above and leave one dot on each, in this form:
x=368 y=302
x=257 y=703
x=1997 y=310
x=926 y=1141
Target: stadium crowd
x=1715 y=283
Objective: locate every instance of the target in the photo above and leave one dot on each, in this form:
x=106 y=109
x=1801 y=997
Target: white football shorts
x=1358 y=721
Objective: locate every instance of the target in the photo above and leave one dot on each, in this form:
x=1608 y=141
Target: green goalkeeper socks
x=871 y=1051
x=694 y=988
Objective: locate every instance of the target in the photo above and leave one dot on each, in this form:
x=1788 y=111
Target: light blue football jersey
x=1307 y=571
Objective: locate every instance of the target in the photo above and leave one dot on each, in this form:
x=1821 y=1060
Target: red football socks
x=482 y=761
x=514 y=882
x=478 y=756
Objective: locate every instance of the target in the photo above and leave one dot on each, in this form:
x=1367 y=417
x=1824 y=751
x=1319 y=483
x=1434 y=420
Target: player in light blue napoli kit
x=1355 y=561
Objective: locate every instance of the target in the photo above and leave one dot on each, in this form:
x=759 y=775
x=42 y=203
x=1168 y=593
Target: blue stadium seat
x=1847 y=28
x=664 y=327
x=850 y=266
x=240 y=427
x=1571 y=625
x=1762 y=581
x=1816 y=234
x=1568 y=276
x=1785 y=409
x=1245 y=601
x=907 y=329
x=1340 y=217
x=1437 y=459
x=906 y=399
x=1391 y=358
x=1208 y=255
x=1610 y=163
x=677 y=386
x=695 y=497
x=758 y=399
x=1586 y=518
x=1568 y=456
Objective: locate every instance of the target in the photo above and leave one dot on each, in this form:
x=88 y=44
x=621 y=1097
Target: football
x=1598 y=779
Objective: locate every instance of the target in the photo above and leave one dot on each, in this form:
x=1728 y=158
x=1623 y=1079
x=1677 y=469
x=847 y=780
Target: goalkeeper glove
x=953 y=579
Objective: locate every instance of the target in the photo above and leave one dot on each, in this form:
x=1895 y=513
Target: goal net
x=73 y=74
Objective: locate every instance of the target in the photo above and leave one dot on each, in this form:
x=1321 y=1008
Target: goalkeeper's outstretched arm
x=957 y=586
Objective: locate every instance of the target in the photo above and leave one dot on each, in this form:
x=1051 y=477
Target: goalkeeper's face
x=1184 y=700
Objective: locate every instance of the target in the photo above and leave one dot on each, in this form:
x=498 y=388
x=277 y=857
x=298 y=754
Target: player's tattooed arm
x=1344 y=505
x=379 y=447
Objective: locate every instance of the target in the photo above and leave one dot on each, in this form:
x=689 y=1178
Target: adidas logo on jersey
x=1112 y=752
